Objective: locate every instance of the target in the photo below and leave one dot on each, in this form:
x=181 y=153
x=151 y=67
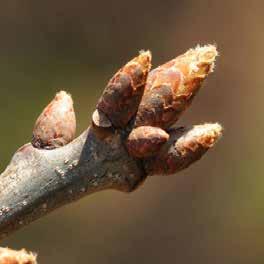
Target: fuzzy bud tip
x=201 y=59
x=185 y=146
x=8 y=256
x=204 y=136
x=144 y=59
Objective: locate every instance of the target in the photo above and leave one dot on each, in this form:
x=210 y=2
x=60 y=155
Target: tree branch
x=38 y=181
x=43 y=176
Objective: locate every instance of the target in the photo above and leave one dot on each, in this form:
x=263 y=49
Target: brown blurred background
x=211 y=213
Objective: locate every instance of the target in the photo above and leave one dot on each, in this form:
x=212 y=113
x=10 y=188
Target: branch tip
x=134 y=116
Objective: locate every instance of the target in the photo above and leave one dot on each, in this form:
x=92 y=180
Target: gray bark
x=38 y=181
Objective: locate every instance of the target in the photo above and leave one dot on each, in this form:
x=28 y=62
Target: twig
x=52 y=171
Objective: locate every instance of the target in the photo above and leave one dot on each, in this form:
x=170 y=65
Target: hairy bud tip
x=184 y=147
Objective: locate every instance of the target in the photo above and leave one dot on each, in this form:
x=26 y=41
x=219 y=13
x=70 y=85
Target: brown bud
x=146 y=141
x=56 y=125
x=123 y=93
x=184 y=147
x=9 y=256
x=171 y=87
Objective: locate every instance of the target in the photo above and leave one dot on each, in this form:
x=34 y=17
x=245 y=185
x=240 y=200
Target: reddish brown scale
x=100 y=119
x=184 y=147
x=122 y=95
x=56 y=125
x=146 y=141
x=158 y=107
x=171 y=87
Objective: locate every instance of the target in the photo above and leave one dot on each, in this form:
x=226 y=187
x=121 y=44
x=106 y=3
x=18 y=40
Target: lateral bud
x=122 y=95
x=56 y=125
x=146 y=141
x=184 y=147
x=171 y=87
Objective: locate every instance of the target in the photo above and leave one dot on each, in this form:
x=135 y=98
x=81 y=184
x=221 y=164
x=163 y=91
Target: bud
x=56 y=125
x=9 y=256
x=122 y=95
x=184 y=147
x=146 y=141
x=171 y=87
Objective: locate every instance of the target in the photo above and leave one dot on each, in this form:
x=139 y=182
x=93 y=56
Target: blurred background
x=212 y=212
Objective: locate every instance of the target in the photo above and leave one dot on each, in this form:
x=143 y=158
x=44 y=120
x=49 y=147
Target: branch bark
x=39 y=180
